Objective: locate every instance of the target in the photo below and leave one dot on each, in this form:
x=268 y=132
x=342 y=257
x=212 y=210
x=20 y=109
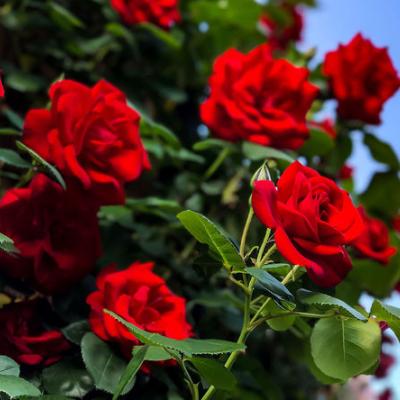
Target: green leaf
x=150 y=128
x=389 y=314
x=24 y=82
x=207 y=233
x=153 y=353
x=14 y=387
x=279 y=324
x=63 y=17
x=131 y=370
x=325 y=302
x=343 y=348
x=103 y=364
x=76 y=331
x=8 y=366
x=318 y=144
x=188 y=347
x=214 y=373
x=383 y=194
x=277 y=268
x=7 y=244
x=211 y=144
x=256 y=152
x=13 y=117
x=12 y=158
x=166 y=37
x=43 y=164
x=67 y=378
x=381 y=151
x=272 y=286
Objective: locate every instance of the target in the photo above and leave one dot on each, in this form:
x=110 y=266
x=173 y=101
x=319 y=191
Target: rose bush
x=148 y=130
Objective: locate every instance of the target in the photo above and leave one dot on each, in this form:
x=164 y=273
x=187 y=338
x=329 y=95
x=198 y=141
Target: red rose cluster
x=362 y=77
x=258 y=98
x=163 y=13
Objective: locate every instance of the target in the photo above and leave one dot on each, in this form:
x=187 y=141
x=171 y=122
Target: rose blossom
x=24 y=338
x=362 y=77
x=90 y=134
x=141 y=297
x=55 y=231
x=280 y=35
x=313 y=219
x=257 y=98
x=374 y=243
x=163 y=13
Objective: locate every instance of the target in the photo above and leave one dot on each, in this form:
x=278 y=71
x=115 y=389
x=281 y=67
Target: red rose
x=56 y=232
x=280 y=35
x=396 y=223
x=163 y=13
x=1 y=89
x=386 y=395
x=24 y=338
x=346 y=172
x=90 y=134
x=257 y=98
x=374 y=243
x=141 y=297
x=327 y=125
x=362 y=78
x=386 y=360
x=312 y=218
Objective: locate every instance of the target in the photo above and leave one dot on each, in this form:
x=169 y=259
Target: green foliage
x=7 y=244
x=208 y=233
x=188 y=347
x=256 y=152
x=381 y=151
x=214 y=373
x=388 y=314
x=104 y=366
x=16 y=387
x=325 y=302
x=319 y=144
x=42 y=164
x=8 y=366
x=342 y=348
x=67 y=378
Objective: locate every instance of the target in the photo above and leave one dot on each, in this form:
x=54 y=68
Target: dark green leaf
x=214 y=373
x=14 y=387
x=188 y=347
x=153 y=353
x=166 y=37
x=24 y=82
x=63 y=17
x=8 y=366
x=74 y=332
x=103 y=364
x=325 y=302
x=131 y=370
x=318 y=144
x=343 y=348
x=381 y=151
x=272 y=286
x=211 y=144
x=207 y=233
x=67 y=378
x=43 y=164
x=256 y=152
x=12 y=158
x=10 y=132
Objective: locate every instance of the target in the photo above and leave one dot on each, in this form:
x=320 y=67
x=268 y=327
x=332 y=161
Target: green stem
x=262 y=248
x=245 y=232
x=194 y=391
x=267 y=255
x=242 y=338
x=217 y=162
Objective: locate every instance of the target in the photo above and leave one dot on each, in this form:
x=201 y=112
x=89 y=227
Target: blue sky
x=337 y=21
